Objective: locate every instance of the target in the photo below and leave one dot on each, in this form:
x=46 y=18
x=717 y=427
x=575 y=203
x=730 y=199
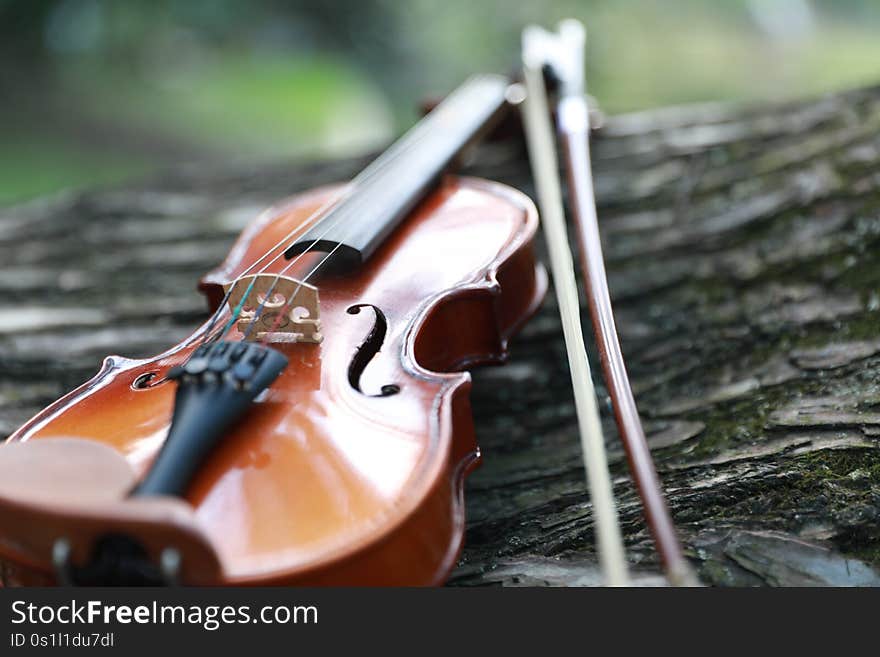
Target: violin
x=316 y=429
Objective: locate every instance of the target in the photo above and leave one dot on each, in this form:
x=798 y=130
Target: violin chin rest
x=64 y=471
x=74 y=492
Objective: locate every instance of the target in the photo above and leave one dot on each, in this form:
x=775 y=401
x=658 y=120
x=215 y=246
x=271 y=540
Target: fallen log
x=742 y=250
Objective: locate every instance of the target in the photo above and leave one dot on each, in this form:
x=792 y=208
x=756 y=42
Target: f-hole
x=367 y=350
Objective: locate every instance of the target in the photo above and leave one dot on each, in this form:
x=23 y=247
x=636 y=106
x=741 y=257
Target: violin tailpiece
x=276 y=308
x=215 y=388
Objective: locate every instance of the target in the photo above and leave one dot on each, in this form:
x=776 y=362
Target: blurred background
x=98 y=91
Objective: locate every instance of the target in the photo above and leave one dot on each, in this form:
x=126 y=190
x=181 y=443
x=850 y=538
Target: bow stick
x=564 y=54
x=542 y=154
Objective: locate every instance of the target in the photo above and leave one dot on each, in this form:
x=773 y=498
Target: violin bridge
x=291 y=313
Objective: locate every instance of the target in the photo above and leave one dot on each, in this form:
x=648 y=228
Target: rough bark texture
x=742 y=251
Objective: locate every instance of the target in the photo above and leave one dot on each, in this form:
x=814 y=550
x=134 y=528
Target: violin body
x=349 y=468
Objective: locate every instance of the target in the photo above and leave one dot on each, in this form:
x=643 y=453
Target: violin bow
x=542 y=154
x=563 y=53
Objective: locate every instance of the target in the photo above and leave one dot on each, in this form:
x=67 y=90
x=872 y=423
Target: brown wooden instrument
x=348 y=467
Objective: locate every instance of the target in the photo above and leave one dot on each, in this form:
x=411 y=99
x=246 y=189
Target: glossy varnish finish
x=323 y=483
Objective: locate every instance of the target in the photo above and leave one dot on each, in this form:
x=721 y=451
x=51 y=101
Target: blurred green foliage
x=95 y=91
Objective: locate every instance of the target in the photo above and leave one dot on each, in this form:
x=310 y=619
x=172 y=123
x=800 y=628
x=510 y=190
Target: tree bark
x=741 y=245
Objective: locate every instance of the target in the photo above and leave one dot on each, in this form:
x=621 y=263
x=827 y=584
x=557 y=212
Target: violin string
x=375 y=168
x=415 y=136
x=293 y=296
x=372 y=170
x=284 y=310
x=301 y=228
x=438 y=112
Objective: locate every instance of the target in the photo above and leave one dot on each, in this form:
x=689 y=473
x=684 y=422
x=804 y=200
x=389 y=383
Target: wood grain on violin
x=348 y=469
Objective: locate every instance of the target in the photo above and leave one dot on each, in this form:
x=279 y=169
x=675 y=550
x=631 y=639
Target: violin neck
x=385 y=192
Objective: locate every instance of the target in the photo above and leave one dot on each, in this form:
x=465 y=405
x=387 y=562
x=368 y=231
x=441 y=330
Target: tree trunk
x=742 y=252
